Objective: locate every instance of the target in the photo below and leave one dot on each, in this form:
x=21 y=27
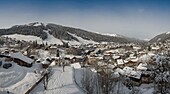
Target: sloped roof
x=20 y=56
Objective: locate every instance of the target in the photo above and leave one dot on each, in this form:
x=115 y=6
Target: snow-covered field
x=50 y=38
x=24 y=37
x=59 y=83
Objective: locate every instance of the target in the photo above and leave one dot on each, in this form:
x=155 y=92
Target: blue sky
x=141 y=19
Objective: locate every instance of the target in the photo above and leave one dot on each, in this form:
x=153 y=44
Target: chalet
x=146 y=77
x=120 y=63
x=142 y=67
x=115 y=57
x=77 y=59
x=55 y=60
x=5 y=57
x=46 y=62
x=53 y=50
x=107 y=57
x=131 y=63
x=20 y=59
x=135 y=76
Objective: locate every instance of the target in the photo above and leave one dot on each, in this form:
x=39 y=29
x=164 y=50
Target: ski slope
x=50 y=38
x=83 y=41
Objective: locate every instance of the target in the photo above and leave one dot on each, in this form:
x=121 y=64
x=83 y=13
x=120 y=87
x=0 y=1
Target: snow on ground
x=146 y=89
x=18 y=79
x=107 y=34
x=168 y=32
x=24 y=37
x=22 y=86
x=37 y=24
x=59 y=83
x=83 y=41
x=76 y=65
x=43 y=53
x=51 y=39
x=11 y=76
x=73 y=42
x=113 y=35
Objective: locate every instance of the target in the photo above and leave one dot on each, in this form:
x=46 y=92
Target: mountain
x=58 y=33
x=161 y=37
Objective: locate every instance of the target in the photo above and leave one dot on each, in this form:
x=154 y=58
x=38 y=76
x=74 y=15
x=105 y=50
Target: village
x=101 y=68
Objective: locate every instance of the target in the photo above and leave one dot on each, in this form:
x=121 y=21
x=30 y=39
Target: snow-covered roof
x=136 y=74
x=151 y=54
x=111 y=66
x=134 y=60
x=136 y=48
x=53 y=47
x=94 y=70
x=155 y=48
x=112 y=51
x=126 y=61
x=20 y=56
x=120 y=62
x=45 y=62
x=142 y=66
x=76 y=65
x=53 y=63
x=129 y=71
x=116 y=57
x=72 y=56
x=119 y=71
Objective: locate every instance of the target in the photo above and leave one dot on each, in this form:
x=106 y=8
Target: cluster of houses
x=128 y=60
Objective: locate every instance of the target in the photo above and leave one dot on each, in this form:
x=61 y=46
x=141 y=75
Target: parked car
x=7 y=65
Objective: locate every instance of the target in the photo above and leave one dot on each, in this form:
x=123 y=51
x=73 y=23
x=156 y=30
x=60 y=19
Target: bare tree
x=162 y=75
x=88 y=81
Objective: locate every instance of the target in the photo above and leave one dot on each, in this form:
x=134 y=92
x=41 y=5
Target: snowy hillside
x=161 y=37
x=50 y=38
x=24 y=37
x=60 y=33
x=108 y=34
x=83 y=41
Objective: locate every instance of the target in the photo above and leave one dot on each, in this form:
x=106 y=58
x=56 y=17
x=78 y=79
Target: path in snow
x=60 y=83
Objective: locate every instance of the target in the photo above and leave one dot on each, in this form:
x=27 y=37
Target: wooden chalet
x=20 y=59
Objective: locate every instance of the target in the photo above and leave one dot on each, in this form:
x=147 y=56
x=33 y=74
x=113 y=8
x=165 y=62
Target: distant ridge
x=64 y=33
